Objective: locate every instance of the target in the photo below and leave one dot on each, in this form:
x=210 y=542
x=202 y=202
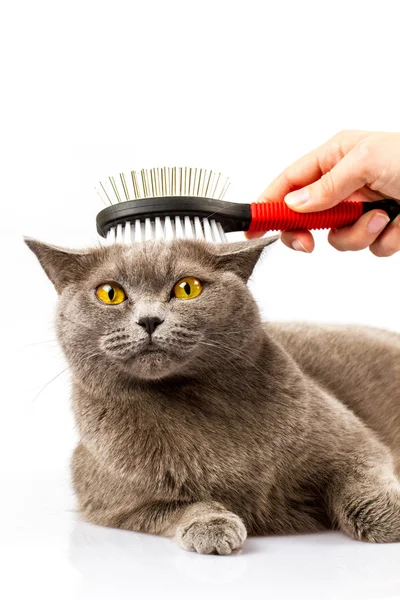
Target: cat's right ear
x=61 y=266
x=241 y=257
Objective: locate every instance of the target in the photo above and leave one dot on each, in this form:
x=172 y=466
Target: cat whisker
x=224 y=360
x=237 y=353
x=39 y=343
x=117 y=346
x=241 y=356
x=49 y=382
x=90 y=354
x=111 y=337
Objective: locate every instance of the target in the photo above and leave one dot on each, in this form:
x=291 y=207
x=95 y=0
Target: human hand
x=354 y=165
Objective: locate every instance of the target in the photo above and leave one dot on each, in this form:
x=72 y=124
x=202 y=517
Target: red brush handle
x=277 y=216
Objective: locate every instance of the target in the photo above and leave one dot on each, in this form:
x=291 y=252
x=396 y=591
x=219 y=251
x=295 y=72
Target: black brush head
x=231 y=215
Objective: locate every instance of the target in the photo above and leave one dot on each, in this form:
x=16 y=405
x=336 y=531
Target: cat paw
x=379 y=533
x=216 y=534
x=376 y=520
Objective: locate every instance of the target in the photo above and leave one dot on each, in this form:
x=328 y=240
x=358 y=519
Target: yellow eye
x=110 y=293
x=187 y=288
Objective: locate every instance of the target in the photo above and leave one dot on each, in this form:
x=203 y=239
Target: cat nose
x=149 y=323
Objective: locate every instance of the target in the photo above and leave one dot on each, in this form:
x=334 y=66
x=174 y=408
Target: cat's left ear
x=241 y=257
x=61 y=266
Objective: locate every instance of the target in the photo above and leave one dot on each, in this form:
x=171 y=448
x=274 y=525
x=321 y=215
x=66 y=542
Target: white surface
x=50 y=553
x=46 y=552
x=92 y=88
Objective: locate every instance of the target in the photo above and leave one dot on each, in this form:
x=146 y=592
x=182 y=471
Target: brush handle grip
x=277 y=216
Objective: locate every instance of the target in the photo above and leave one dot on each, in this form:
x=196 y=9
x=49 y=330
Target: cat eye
x=110 y=293
x=187 y=288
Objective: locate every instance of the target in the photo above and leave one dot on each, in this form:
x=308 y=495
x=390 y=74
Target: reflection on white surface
x=122 y=565
x=47 y=552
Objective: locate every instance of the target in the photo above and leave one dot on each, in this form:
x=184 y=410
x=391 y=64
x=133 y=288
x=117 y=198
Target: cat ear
x=241 y=257
x=61 y=266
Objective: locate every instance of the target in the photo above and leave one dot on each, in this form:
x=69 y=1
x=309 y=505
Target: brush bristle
x=166 y=229
x=162 y=182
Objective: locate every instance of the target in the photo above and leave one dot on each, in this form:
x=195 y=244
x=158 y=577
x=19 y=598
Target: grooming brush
x=173 y=202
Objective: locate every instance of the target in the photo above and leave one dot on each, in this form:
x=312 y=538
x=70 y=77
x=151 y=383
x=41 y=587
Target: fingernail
x=297 y=198
x=378 y=222
x=297 y=245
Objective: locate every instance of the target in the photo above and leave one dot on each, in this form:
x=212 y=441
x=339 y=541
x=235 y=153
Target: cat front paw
x=215 y=534
x=374 y=519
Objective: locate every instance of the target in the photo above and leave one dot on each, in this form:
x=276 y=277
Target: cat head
x=152 y=310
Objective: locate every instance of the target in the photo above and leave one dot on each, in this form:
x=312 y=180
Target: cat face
x=152 y=310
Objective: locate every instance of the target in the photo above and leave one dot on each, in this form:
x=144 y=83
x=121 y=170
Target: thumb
x=345 y=178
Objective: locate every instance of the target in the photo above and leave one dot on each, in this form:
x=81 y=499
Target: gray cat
x=198 y=422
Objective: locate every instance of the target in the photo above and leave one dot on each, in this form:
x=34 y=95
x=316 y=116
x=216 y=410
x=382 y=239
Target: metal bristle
x=167 y=229
x=162 y=182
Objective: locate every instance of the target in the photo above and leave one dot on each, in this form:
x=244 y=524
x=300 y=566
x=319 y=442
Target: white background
x=93 y=88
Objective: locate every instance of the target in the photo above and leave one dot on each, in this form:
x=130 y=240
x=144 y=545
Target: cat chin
x=154 y=365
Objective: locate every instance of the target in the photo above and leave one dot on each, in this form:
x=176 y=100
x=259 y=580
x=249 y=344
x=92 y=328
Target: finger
x=363 y=195
x=346 y=177
x=253 y=235
x=360 y=235
x=388 y=242
x=301 y=173
x=298 y=240
x=312 y=165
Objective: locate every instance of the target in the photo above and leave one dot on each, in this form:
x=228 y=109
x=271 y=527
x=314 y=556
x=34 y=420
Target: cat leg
x=204 y=527
x=366 y=505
